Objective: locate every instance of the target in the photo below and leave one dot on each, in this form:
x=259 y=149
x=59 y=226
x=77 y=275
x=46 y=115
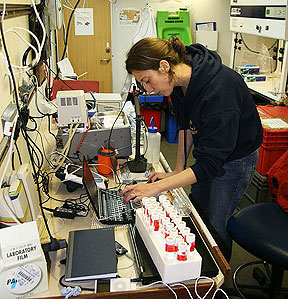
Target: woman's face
x=155 y=81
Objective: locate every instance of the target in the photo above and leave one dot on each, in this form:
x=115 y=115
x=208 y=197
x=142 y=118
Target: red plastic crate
x=267 y=157
x=275 y=137
x=273 y=111
x=263 y=113
x=275 y=141
x=86 y=85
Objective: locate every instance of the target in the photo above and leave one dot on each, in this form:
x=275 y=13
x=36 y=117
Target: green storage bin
x=170 y=24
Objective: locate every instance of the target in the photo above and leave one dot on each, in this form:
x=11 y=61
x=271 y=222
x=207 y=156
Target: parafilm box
x=23 y=269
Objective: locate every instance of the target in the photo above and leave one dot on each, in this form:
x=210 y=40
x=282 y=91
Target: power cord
x=66 y=37
x=169 y=286
x=54 y=244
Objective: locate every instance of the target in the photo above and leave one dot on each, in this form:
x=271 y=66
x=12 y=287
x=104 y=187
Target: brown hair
x=147 y=53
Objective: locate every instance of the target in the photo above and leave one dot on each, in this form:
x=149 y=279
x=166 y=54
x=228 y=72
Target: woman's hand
x=156 y=176
x=136 y=192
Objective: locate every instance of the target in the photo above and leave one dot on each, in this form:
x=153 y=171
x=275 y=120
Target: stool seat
x=262 y=230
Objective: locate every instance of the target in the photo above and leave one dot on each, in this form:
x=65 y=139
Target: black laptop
x=108 y=204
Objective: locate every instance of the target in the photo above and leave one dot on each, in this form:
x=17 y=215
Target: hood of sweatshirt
x=205 y=66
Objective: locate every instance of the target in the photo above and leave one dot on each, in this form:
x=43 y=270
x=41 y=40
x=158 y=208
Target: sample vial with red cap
x=178 y=240
x=173 y=232
x=182 y=252
x=170 y=247
x=155 y=225
x=164 y=222
x=168 y=227
x=190 y=240
x=177 y=219
x=173 y=214
x=180 y=226
x=185 y=231
x=168 y=209
x=144 y=203
x=161 y=198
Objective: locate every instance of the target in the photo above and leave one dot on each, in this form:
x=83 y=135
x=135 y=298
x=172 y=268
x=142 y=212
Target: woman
x=216 y=114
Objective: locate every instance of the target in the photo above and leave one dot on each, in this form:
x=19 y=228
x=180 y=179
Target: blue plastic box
x=151 y=99
x=172 y=132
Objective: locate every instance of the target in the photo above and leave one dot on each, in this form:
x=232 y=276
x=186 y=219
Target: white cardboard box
x=23 y=269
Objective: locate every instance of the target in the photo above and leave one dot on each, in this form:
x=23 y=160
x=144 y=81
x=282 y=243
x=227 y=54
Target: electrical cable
x=37 y=107
x=43 y=114
x=40 y=46
x=47 y=100
x=237 y=271
x=12 y=161
x=146 y=138
x=66 y=37
x=119 y=113
x=184 y=286
x=196 y=284
x=83 y=137
x=66 y=285
x=61 y=154
x=26 y=42
x=272 y=46
x=67 y=145
x=23 y=131
x=110 y=134
x=162 y=282
x=253 y=51
x=42 y=26
x=45 y=189
x=18 y=152
x=219 y=290
x=3 y=11
x=3 y=199
x=127 y=267
x=49 y=81
x=112 y=172
x=44 y=153
x=49 y=128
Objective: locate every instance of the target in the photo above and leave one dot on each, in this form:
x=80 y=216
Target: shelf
x=266 y=88
x=19 y=2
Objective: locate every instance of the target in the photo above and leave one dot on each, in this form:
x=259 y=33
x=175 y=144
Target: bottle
x=153 y=138
x=182 y=252
x=170 y=247
x=190 y=240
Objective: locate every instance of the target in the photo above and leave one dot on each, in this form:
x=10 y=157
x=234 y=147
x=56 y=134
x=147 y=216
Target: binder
x=91 y=254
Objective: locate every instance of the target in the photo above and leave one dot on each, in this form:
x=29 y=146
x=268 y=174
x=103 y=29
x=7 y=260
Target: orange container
x=106 y=161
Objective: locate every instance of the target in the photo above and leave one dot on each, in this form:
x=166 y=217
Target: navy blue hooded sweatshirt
x=220 y=112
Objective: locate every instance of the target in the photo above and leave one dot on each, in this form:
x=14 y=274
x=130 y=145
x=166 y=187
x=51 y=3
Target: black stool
x=262 y=230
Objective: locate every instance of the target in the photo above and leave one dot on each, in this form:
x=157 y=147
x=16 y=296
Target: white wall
x=201 y=11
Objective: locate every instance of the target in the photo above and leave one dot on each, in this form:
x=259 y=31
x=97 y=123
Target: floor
x=239 y=255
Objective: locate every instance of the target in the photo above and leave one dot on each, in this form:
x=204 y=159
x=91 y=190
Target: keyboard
x=114 y=209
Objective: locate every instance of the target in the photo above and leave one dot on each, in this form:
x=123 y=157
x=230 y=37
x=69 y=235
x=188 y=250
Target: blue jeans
x=217 y=199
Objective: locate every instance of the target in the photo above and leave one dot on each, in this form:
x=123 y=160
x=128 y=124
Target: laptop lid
x=90 y=186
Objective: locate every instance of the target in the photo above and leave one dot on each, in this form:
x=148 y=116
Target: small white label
x=23 y=279
x=21 y=253
x=275 y=123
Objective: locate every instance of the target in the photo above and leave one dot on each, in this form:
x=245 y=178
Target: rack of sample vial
x=168 y=240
